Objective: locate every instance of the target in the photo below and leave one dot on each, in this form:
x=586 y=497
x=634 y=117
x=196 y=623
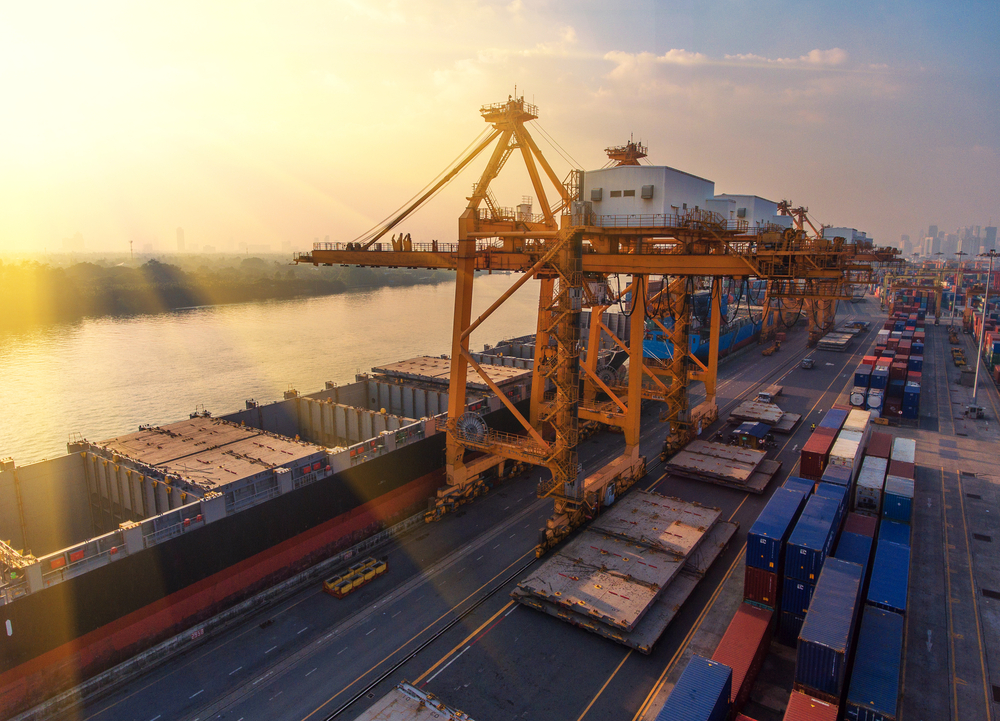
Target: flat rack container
x=702 y=693
x=825 y=639
x=743 y=648
x=769 y=533
x=875 y=678
x=811 y=539
x=889 y=583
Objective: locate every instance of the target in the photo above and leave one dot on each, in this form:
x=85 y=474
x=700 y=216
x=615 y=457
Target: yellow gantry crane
x=574 y=252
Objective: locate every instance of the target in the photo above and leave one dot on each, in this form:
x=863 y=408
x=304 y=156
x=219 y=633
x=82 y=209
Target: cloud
x=815 y=58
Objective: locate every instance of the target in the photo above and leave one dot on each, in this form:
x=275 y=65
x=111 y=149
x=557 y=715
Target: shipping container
x=837 y=493
x=875 y=399
x=834 y=419
x=916 y=363
x=767 y=537
x=896 y=386
x=858 y=396
x=880 y=378
x=879 y=445
x=795 y=596
x=859 y=420
x=797 y=483
x=869 y=360
x=760 y=587
x=803 y=707
x=904 y=449
x=702 y=693
x=825 y=638
x=892 y=407
x=902 y=469
x=875 y=678
x=789 y=626
x=894 y=532
x=838 y=475
x=868 y=491
x=890 y=578
x=862 y=376
x=815 y=454
x=743 y=717
x=897 y=499
x=847 y=451
x=743 y=648
x=811 y=540
x=856 y=523
x=856 y=548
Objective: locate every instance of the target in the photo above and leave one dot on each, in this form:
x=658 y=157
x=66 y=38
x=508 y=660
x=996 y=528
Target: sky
x=270 y=123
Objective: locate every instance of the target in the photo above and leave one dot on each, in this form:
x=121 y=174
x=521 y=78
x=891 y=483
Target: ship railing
x=695 y=221
x=174 y=529
x=10 y=593
x=311 y=477
x=92 y=560
x=236 y=506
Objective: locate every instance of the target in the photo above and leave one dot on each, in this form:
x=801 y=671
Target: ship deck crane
x=574 y=252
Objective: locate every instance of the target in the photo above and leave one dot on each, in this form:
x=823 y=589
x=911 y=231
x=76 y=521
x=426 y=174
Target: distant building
x=851 y=235
x=990 y=239
x=180 y=240
x=904 y=244
x=932 y=231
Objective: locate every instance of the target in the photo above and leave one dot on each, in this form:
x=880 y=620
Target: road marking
x=270 y=649
x=262 y=677
x=506 y=507
x=510 y=611
x=196 y=693
x=496 y=547
x=341 y=650
x=395 y=614
x=480 y=558
x=303 y=630
x=598 y=695
x=155 y=717
x=512 y=535
x=448 y=664
x=235 y=670
x=370 y=632
x=307 y=675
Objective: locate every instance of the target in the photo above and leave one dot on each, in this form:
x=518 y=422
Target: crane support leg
x=636 y=332
x=455 y=466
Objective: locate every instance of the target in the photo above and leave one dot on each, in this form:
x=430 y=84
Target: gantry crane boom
x=569 y=254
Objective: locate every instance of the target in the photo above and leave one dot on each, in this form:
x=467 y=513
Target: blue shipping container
x=702 y=693
x=797 y=483
x=834 y=419
x=767 y=537
x=811 y=539
x=890 y=577
x=896 y=388
x=862 y=376
x=837 y=493
x=915 y=363
x=789 y=626
x=894 y=533
x=824 y=641
x=874 y=690
x=880 y=378
x=795 y=596
x=856 y=548
x=918 y=349
x=839 y=475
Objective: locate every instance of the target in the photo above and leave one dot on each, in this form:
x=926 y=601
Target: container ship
x=135 y=539
x=741 y=330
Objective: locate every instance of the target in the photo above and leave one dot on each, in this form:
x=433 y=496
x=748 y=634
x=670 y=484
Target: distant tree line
x=34 y=293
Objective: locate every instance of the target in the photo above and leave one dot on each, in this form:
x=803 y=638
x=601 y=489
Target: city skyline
x=278 y=127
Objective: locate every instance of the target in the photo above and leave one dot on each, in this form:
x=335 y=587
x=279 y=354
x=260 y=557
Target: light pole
x=958 y=281
x=982 y=328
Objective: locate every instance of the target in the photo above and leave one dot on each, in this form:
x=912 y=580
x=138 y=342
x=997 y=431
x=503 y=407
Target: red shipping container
x=862 y=525
x=868 y=360
x=879 y=444
x=743 y=717
x=743 y=648
x=761 y=587
x=879 y=350
x=902 y=469
x=892 y=407
x=802 y=707
x=815 y=454
x=842 y=407
x=913 y=376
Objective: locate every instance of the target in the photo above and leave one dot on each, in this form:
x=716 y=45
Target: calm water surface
x=101 y=378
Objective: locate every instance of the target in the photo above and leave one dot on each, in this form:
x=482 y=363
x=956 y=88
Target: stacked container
x=815 y=453
x=891 y=570
x=856 y=548
x=766 y=547
x=796 y=483
x=847 y=450
x=875 y=678
x=825 y=639
x=879 y=445
x=911 y=400
x=702 y=693
x=863 y=525
x=897 y=503
x=838 y=475
x=803 y=707
x=838 y=493
x=859 y=421
x=743 y=648
x=808 y=546
x=868 y=491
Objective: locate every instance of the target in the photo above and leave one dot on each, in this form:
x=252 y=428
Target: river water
x=103 y=377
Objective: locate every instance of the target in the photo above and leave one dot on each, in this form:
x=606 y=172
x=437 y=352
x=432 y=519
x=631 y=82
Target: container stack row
x=888 y=382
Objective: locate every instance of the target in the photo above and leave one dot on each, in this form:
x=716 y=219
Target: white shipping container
x=874 y=463
x=858 y=395
x=899 y=486
x=868 y=492
x=847 y=451
x=904 y=449
x=882 y=337
x=861 y=421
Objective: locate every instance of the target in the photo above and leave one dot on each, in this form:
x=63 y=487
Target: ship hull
x=87 y=624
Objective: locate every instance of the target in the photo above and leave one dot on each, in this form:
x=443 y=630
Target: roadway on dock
x=442 y=617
